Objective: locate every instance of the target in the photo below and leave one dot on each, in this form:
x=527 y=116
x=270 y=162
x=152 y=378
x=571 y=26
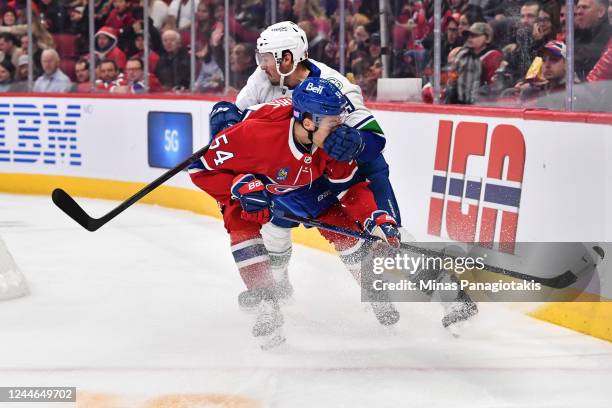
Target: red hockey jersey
x=263 y=144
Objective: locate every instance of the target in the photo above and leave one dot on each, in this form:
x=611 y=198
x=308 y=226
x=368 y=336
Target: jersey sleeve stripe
x=196 y=167
x=373 y=127
x=361 y=123
x=206 y=166
x=344 y=180
x=244 y=244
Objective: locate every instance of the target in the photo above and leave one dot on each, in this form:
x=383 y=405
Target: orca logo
x=336 y=82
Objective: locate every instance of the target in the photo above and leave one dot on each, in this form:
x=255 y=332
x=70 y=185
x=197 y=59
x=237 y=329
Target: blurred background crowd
x=493 y=51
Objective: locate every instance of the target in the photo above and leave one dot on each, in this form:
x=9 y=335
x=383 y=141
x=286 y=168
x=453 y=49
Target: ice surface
x=146 y=307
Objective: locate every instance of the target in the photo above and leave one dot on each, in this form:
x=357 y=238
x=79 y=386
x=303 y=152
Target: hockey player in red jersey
x=283 y=63
x=277 y=156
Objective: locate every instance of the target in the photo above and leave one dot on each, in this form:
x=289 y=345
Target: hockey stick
x=67 y=204
x=558 y=282
x=329 y=227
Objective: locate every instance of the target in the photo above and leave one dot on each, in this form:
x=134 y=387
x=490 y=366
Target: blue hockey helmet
x=223 y=115
x=317 y=97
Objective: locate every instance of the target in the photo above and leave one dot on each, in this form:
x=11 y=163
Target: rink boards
x=459 y=173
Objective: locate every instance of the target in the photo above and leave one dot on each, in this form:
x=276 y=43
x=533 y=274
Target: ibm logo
x=482 y=207
x=39 y=134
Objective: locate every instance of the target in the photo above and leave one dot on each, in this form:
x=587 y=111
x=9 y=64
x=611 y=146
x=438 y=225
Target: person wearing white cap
x=21 y=76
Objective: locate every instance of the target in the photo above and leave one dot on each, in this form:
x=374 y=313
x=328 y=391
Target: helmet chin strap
x=282 y=77
x=282 y=84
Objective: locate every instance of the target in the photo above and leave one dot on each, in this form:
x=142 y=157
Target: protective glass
x=265 y=58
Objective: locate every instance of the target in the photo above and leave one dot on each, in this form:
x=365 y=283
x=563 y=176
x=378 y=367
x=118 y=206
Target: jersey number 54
x=220 y=155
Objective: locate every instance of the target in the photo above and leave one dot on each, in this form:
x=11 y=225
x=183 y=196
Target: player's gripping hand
x=384 y=226
x=344 y=143
x=223 y=115
x=253 y=198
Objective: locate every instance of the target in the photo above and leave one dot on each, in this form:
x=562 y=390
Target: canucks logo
x=335 y=81
x=281 y=175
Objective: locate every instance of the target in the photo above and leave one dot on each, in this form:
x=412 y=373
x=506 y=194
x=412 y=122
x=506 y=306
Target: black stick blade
x=564 y=280
x=557 y=282
x=67 y=204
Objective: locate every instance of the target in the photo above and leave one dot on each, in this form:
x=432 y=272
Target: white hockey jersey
x=258 y=89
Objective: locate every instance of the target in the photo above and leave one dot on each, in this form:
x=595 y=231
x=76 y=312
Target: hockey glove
x=253 y=198
x=384 y=226
x=344 y=144
x=223 y=115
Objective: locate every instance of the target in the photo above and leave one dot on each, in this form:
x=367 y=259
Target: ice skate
x=380 y=302
x=385 y=313
x=249 y=300
x=457 y=313
x=269 y=317
x=273 y=340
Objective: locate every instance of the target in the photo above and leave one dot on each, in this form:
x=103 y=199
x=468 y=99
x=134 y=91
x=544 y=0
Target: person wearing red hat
x=106 y=46
x=553 y=54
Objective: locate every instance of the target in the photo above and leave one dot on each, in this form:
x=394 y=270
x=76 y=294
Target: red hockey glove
x=382 y=225
x=253 y=198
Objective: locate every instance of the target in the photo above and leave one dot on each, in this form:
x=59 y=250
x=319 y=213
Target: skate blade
x=273 y=340
x=290 y=301
x=249 y=310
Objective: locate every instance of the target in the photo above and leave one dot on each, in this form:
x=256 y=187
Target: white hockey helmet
x=282 y=36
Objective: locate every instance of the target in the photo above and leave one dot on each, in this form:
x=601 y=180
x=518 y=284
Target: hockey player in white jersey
x=283 y=63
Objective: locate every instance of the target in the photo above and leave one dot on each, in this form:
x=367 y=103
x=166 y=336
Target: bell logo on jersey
x=477 y=184
x=317 y=89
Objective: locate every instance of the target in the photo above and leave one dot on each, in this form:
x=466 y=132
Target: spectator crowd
x=492 y=50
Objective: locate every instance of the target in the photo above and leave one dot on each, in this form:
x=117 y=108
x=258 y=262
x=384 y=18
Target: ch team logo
x=39 y=134
x=280 y=189
x=482 y=205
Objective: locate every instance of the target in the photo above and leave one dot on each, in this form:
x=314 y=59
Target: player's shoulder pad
x=276 y=110
x=252 y=92
x=333 y=76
